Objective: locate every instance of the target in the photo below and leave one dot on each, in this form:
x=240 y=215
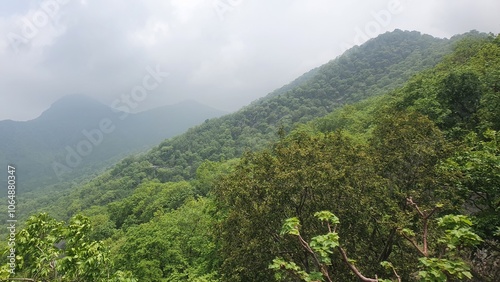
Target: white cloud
x=152 y=33
x=186 y=11
x=222 y=66
x=101 y=48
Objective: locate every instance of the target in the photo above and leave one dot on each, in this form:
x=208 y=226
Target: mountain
x=410 y=136
x=380 y=65
x=365 y=182
x=78 y=135
x=55 y=147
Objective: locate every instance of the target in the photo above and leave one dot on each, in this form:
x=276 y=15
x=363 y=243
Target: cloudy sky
x=224 y=53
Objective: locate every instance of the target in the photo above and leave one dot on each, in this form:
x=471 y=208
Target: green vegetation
x=48 y=250
x=445 y=266
x=404 y=166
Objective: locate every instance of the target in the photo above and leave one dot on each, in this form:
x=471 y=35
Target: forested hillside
x=78 y=136
x=381 y=64
x=394 y=143
x=387 y=167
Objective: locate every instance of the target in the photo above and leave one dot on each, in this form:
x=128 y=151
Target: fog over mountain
x=78 y=134
x=222 y=53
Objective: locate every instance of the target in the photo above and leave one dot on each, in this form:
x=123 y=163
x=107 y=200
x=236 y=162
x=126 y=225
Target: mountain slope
x=379 y=65
x=430 y=147
x=349 y=78
x=78 y=135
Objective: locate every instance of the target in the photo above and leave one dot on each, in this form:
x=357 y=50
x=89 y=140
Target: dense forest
x=381 y=165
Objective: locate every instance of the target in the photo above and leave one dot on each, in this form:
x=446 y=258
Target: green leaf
x=327 y=216
x=407 y=232
x=386 y=265
x=324 y=245
x=291 y=226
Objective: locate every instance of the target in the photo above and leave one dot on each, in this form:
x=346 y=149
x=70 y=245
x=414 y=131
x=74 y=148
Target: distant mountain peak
x=75 y=105
x=75 y=99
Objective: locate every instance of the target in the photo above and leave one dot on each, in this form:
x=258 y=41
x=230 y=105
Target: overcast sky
x=224 y=53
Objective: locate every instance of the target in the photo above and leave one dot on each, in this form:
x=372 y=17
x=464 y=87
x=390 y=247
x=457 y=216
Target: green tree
x=460 y=94
x=439 y=265
x=407 y=148
x=478 y=168
x=174 y=246
x=302 y=173
x=37 y=249
x=49 y=250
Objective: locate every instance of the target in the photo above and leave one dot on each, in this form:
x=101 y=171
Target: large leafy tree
x=301 y=174
x=407 y=148
x=368 y=184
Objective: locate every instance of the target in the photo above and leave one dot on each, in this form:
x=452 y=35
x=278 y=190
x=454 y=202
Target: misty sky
x=224 y=53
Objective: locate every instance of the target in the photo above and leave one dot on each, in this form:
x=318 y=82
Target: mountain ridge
x=45 y=141
x=375 y=67
x=344 y=80
x=351 y=77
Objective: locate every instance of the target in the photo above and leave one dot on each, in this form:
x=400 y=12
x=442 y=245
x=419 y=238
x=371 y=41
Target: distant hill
x=78 y=135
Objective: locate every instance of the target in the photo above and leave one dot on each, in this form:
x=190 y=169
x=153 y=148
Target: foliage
x=445 y=261
x=279 y=264
x=36 y=245
x=148 y=200
x=443 y=267
x=438 y=268
x=50 y=250
x=297 y=176
x=478 y=167
x=176 y=246
x=321 y=247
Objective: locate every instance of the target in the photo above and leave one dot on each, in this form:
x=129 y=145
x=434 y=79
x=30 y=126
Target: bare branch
x=396 y=274
x=425 y=218
x=354 y=269
x=432 y=212
x=410 y=202
x=414 y=244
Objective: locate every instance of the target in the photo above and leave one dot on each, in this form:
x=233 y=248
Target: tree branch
x=410 y=202
x=396 y=274
x=414 y=244
x=353 y=267
x=388 y=246
x=424 y=237
x=425 y=218
x=321 y=267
